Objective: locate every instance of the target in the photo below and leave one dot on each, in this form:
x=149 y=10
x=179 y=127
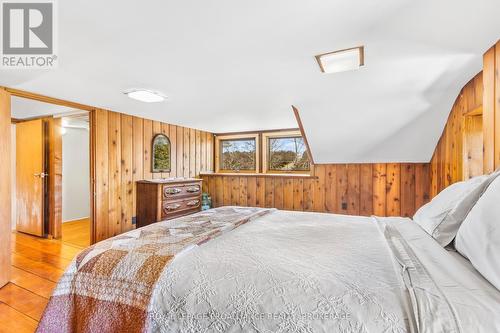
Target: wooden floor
x=76 y=232
x=37 y=265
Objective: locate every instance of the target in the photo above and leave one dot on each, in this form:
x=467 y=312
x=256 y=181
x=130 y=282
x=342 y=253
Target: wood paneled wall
x=122 y=155
x=491 y=109
x=353 y=189
x=455 y=156
x=447 y=164
x=5 y=194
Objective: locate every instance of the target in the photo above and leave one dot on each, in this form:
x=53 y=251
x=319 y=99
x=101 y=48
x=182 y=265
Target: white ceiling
x=232 y=65
x=22 y=108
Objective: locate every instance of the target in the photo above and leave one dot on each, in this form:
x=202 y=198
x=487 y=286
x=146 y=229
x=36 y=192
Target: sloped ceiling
x=232 y=65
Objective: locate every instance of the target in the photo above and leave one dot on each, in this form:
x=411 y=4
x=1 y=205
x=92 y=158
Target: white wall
x=13 y=173
x=76 y=175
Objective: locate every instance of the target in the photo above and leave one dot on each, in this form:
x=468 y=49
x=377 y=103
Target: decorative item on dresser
x=165 y=199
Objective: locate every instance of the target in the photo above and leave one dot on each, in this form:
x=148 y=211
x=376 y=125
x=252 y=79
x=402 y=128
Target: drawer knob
x=193 y=203
x=193 y=189
x=173 y=190
x=172 y=207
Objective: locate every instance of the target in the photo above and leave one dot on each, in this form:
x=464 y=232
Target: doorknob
x=41 y=175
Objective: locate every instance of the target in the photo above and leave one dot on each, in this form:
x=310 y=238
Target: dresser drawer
x=170 y=208
x=159 y=200
x=178 y=191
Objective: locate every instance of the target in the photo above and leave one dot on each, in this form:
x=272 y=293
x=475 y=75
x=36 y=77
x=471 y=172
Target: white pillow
x=442 y=217
x=478 y=238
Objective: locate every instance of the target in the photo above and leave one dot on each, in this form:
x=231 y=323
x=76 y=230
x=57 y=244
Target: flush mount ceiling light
x=145 y=95
x=342 y=60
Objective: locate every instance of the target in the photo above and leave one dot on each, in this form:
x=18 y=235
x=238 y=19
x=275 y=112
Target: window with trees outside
x=282 y=152
x=285 y=152
x=237 y=153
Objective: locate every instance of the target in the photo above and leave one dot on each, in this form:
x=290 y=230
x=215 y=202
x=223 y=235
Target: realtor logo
x=28 y=35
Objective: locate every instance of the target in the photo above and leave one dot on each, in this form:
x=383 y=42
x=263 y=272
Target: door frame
x=54 y=228
x=5 y=189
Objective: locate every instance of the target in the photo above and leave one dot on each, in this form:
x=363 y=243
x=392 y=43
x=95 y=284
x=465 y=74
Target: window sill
x=243 y=174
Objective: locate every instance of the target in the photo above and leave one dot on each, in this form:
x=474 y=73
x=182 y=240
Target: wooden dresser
x=159 y=200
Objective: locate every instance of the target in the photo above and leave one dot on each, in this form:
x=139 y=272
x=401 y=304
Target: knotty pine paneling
x=491 y=109
x=122 y=155
x=447 y=163
x=354 y=189
x=497 y=106
x=459 y=153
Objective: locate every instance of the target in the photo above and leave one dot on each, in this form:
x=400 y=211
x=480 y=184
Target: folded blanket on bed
x=108 y=286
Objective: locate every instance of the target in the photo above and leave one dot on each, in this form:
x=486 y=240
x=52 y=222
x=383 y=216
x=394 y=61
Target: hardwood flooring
x=37 y=265
x=76 y=232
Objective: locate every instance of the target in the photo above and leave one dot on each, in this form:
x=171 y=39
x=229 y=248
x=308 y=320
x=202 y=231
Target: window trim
x=265 y=149
x=219 y=138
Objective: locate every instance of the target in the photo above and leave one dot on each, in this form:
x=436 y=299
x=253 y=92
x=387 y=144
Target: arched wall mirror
x=161 y=154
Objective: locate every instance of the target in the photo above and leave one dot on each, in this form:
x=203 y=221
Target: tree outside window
x=238 y=155
x=287 y=154
x=282 y=152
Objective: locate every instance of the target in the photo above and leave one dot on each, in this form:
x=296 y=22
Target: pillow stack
x=441 y=218
x=478 y=238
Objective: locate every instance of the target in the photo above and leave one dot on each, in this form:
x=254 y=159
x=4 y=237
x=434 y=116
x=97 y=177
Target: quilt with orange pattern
x=108 y=286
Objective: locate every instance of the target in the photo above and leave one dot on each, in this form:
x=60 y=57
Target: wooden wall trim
x=5 y=188
x=47 y=99
x=303 y=133
x=489 y=110
x=258 y=132
x=265 y=148
x=242 y=174
x=92 y=185
x=258 y=145
x=99 y=179
x=355 y=189
x=497 y=105
x=55 y=177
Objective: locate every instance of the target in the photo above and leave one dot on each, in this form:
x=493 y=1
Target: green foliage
x=238 y=155
x=288 y=154
x=288 y=161
x=285 y=154
x=161 y=155
x=238 y=160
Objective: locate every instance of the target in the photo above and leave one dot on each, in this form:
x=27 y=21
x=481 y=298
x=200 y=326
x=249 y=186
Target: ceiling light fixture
x=342 y=60
x=145 y=95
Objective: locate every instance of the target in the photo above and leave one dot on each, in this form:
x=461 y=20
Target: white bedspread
x=475 y=301
x=311 y=272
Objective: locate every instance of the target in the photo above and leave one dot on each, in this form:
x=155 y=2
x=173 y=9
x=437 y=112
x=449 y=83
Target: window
x=285 y=152
x=282 y=152
x=236 y=153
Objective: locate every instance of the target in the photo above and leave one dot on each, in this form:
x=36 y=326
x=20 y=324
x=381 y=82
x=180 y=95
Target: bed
x=234 y=269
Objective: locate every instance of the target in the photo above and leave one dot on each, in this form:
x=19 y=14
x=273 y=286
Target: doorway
x=76 y=179
x=51 y=171
x=473 y=144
